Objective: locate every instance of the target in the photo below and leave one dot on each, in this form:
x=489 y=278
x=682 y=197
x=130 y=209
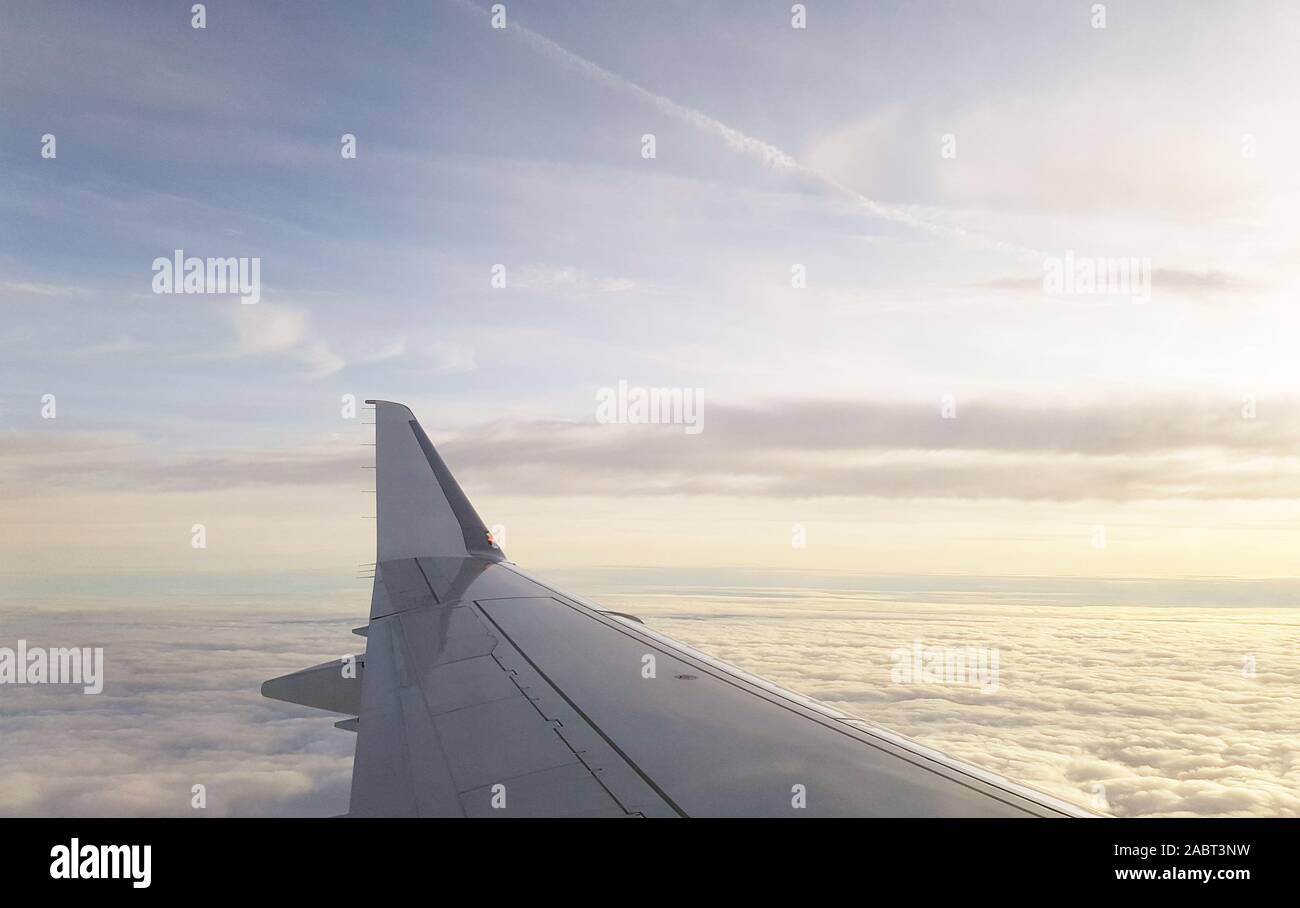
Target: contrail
x=765 y=153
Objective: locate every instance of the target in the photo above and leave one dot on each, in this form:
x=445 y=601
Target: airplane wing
x=484 y=692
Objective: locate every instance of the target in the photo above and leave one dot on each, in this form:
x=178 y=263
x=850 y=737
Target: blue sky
x=775 y=147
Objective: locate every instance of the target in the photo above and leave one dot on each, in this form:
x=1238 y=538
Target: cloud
x=1192 y=282
x=769 y=155
x=1110 y=148
x=180 y=707
x=321 y=359
x=394 y=349
x=1174 y=448
x=765 y=153
x=451 y=359
x=568 y=278
x=1206 y=280
x=19 y=289
x=40 y=461
x=266 y=330
x=123 y=343
x=1151 y=449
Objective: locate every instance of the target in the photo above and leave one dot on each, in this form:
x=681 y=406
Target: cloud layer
x=1149 y=449
x=1146 y=707
x=181 y=707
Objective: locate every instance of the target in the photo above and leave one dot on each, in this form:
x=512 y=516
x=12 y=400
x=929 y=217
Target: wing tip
x=390 y=403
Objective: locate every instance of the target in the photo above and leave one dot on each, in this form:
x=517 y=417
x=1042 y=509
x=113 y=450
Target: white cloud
x=123 y=343
x=39 y=289
x=449 y=358
x=265 y=329
x=320 y=359
x=262 y=329
x=1109 y=148
x=567 y=277
x=180 y=707
x=393 y=349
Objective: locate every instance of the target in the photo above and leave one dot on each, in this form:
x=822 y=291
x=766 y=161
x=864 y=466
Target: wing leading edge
x=486 y=692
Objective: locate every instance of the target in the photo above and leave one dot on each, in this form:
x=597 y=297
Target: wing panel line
x=654 y=786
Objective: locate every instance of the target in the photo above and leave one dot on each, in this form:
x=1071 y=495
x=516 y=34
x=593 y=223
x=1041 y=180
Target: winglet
x=421 y=508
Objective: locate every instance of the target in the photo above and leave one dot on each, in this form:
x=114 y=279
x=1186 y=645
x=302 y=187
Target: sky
x=774 y=147
x=923 y=405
